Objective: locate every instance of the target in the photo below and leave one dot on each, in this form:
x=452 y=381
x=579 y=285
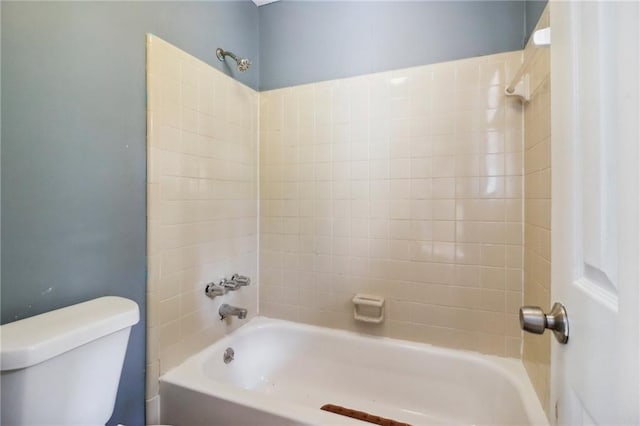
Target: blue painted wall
x=73 y=150
x=307 y=41
x=532 y=12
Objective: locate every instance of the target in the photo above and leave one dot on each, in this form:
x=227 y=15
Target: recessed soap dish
x=368 y=308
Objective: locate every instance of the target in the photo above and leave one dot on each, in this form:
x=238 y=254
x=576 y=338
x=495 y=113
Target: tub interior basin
x=309 y=367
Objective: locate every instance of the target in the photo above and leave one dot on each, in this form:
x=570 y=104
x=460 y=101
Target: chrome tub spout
x=231 y=311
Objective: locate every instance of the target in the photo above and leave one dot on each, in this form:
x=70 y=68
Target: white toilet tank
x=63 y=367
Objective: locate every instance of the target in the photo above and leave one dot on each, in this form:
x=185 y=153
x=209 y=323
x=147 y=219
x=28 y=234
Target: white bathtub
x=284 y=372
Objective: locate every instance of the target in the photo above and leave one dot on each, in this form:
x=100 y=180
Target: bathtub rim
x=189 y=373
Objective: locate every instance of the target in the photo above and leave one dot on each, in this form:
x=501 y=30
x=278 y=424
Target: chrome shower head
x=242 y=64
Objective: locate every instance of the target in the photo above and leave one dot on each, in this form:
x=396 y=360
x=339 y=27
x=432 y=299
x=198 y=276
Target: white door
x=595 y=213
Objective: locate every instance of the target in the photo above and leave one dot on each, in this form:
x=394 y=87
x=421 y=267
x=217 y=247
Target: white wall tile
x=202 y=202
x=410 y=191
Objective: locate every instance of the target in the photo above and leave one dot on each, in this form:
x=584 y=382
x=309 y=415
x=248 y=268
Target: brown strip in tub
x=361 y=415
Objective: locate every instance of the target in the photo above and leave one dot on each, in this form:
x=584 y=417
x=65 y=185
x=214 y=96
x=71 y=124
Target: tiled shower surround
x=202 y=204
x=536 y=351
x=407 y=185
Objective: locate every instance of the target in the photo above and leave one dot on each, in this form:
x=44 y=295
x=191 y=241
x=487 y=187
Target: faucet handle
x=241 y=280
x=229 y=284
x=212 y=290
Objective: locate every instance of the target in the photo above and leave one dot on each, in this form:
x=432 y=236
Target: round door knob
x=532 y=319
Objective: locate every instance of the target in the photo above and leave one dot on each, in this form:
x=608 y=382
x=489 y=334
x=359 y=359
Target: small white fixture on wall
x=542 y=37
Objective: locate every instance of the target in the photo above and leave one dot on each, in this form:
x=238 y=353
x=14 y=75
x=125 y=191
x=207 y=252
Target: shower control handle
x=229 y=284
x=534 y=320
x=241 y=280
x=213 y=290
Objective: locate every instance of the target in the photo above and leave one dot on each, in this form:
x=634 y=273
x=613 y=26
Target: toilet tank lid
x=36 y=339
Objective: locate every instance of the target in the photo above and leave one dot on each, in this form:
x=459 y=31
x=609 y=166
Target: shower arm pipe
x=221 y=53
